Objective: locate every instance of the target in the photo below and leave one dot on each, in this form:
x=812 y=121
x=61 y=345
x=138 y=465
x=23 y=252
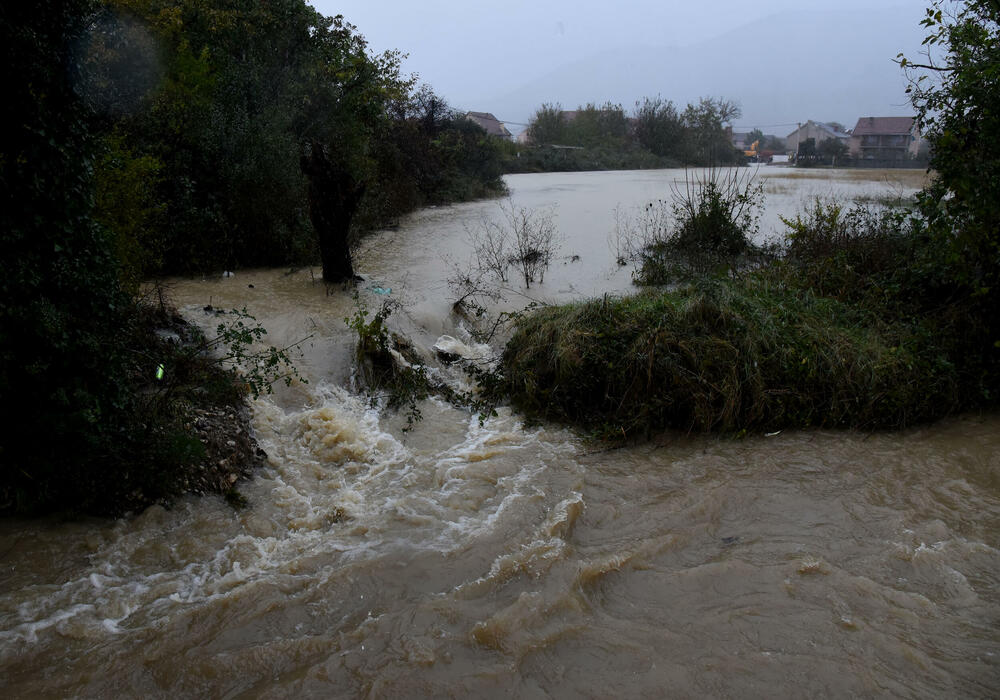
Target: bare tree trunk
x=334 y=196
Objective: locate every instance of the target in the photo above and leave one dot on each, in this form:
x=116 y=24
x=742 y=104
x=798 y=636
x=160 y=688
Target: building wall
x=809 y=130
x=885 y=146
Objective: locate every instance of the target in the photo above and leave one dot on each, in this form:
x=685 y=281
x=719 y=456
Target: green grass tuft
x=727 y=356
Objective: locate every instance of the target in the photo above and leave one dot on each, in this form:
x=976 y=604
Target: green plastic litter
x=159 y=371
x=382 y=290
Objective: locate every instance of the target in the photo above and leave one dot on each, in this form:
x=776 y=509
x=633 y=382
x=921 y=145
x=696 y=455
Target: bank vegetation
x=863 y=318
x=154 y=137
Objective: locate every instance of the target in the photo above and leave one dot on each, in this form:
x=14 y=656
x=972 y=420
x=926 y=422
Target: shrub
x=522 y=238
x=710 y=229
x=389 y=368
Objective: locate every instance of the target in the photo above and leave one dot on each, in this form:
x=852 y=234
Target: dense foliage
x=207 y=109
x=152 y=136
x=868 y=318
x=656 y=135
x=957 y=98
x=59 y=301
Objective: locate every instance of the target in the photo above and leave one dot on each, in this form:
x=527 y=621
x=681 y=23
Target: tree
x=755 y=135
x=955 y=90
x=548 y=126
x=598 y=126
x=658 y=126
x=707 y=141
x=807 y=151
x=773 y=143
x=832 y=150
x=218 y=120
x=334 y=196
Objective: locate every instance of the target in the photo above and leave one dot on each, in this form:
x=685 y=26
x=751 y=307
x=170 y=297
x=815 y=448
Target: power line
x=767 y=126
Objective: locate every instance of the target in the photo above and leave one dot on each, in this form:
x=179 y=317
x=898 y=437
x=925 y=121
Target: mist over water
x=496 y=559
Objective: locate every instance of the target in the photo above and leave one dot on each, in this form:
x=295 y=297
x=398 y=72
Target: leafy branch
x=259 y=368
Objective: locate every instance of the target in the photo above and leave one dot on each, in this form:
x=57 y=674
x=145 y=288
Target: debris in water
x=812 y=565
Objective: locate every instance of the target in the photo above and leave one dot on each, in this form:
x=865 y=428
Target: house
x=492 y=125
x=739 y=140
x=886 y=139
x=818 y=131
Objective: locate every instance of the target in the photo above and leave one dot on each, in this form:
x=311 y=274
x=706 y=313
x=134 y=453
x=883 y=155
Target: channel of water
x=494 y=559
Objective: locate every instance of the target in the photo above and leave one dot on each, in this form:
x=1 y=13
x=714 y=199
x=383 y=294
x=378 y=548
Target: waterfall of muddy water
x=461 y=559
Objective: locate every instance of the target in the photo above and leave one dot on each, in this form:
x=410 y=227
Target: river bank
x=858 y=319
x=190 y=431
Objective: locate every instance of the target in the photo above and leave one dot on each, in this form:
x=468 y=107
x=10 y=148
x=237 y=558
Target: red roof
x=883 y=126
x=492 y=125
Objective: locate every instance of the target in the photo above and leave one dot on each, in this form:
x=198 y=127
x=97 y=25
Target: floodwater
x=465 y=559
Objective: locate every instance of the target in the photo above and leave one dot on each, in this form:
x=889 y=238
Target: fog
x=784 y=62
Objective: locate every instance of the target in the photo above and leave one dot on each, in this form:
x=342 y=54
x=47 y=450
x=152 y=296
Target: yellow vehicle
x=752 y=151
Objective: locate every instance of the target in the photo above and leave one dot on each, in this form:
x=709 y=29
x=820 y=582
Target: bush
x=860 y=255
x=389 y=367
x=709 y=230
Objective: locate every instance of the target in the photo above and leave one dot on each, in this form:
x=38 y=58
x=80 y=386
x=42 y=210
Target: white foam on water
x=339 y=487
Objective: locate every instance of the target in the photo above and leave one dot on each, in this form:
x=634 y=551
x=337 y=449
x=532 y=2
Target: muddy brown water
x=466 y=559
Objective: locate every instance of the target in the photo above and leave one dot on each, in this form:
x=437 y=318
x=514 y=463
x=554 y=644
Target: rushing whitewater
x=490 y=558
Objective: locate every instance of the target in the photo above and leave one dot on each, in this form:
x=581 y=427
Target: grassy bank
x=857 y=321
x=728 y=355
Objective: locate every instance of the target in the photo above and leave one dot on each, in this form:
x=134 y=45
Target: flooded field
x=500 y=560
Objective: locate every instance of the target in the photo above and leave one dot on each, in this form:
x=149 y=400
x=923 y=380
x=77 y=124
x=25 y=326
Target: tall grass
x=856 y=324
x=726 y=355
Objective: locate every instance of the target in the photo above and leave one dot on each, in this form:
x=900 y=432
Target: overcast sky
x=784 y=61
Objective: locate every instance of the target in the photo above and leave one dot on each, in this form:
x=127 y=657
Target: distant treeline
x=656 y=134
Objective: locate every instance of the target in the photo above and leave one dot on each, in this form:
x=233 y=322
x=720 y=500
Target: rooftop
x=493 y=126
x=881 y=126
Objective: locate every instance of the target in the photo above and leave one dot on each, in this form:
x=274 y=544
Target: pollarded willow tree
x=348 y=94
